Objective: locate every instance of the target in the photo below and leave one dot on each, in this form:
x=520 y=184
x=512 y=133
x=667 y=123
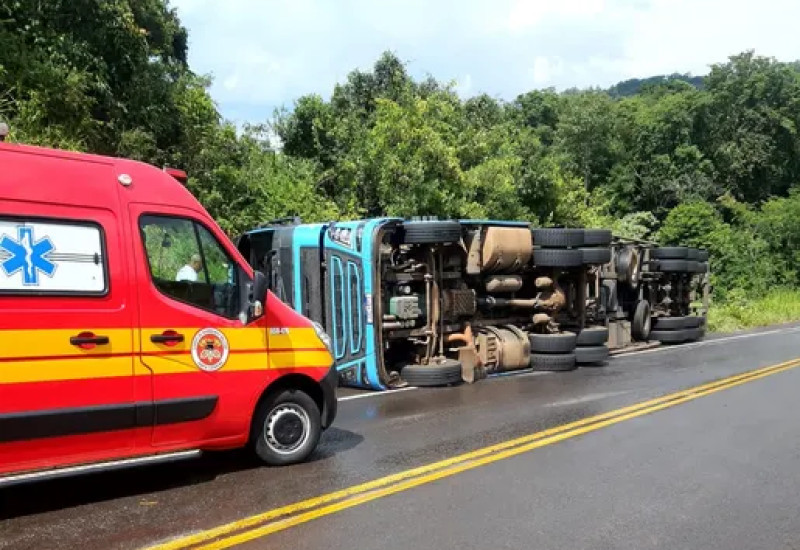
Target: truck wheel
x=694 y=334
x=286 y=428
x=592 y=336
x=669 y=323
x=437 y=374
x=642 y=322
x=547 y=257
x=692 y=321
x=596 y=256
x=628 y=267
x=672 y=266
x=669 y=253
x=670 y=336
x=591 y=355
x=557 y=237
x=702 y=255
x=701 y=267
x=553 y=362
x=692 y=254
x=692 y=266
x=553 y=343
x=431 y=232
x=596 y=237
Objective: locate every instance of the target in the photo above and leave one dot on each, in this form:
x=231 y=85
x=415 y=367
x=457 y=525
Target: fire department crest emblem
x=210 y=349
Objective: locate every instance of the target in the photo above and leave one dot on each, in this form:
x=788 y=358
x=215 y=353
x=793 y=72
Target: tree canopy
x=712 y=161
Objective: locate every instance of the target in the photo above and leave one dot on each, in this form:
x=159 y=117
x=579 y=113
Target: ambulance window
x=188 y=264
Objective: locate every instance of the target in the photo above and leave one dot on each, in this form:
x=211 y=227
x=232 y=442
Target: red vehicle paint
x=130 y=326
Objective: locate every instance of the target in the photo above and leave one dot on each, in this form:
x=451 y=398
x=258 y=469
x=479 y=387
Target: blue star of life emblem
x=27 y=255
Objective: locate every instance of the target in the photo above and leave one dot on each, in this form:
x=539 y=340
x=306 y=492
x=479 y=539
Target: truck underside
x=434 y=302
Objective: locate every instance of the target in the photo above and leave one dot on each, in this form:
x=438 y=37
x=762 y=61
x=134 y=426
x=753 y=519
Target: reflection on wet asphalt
x=372 y=437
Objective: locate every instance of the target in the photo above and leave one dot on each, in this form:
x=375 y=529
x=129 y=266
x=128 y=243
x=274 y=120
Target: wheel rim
x=287 y=428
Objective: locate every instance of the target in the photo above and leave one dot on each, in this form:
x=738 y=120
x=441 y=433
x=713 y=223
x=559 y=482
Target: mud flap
x=470 y=362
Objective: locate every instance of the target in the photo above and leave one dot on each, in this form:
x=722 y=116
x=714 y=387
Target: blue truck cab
x=328 y=272
x=425 y=301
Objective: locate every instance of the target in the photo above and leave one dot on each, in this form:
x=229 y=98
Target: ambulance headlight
x=323 y=336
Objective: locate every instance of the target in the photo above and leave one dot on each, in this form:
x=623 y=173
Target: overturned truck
x=430 y=302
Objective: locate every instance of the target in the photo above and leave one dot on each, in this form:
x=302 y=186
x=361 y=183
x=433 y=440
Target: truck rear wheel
x=431 y=232
x=286 y=428
x=642 y=322
x=669 y=253
x=555 y=257
x=593 y=336
x=553 y=343
x=553 y=237
x=553 y=362
x=591 y=355
x=596 y=237
x=436 y=374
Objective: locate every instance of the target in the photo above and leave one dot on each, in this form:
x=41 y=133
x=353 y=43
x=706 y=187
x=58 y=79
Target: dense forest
x=711 y=161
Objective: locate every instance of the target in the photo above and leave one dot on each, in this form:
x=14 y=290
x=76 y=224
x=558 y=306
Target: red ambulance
x=132 y=331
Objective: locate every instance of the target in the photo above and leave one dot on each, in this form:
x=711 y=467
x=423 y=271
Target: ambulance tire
x=286 y=428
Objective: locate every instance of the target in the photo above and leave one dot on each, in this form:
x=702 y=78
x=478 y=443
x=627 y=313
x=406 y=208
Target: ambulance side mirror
x=258 y=294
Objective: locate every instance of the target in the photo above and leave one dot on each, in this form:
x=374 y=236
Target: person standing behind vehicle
x=189 y=271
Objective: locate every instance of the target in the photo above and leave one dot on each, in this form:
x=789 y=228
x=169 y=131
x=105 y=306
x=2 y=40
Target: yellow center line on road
x=257 y=526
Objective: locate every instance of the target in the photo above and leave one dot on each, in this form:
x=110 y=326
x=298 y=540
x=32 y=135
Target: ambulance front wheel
x=287 y=428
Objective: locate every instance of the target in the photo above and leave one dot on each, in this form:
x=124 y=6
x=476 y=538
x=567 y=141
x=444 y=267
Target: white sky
x=265 y=54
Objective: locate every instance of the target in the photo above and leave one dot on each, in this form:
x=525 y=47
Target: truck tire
x=437 y=374
x=596 y=237
x=672 y=266
x=286 y=428
x=596 y=256
x=669 y=323
x=641 y=322
x=557 y=237
x=694 y=334
x=628 y=267
x=591 y=355
x=553 y=362
x=431 y=232
x=692 y=266
x=564 y=342
x=702 y=255
x=692 y=254
x=592 y=336
x=669 y=253
x=692 y=321
x=669 y=336
x=553 y=257
x=702 y=267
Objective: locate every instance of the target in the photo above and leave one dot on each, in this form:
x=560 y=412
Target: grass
x=777 y=306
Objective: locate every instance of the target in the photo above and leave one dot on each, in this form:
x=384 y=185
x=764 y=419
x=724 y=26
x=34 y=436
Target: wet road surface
x=717 y=472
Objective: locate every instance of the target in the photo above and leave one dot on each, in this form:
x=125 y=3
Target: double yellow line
x=279 y=519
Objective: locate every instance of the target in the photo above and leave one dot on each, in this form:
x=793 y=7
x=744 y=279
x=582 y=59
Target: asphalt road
x=718 y=471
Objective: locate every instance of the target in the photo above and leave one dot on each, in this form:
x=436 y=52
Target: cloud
x=265 y=54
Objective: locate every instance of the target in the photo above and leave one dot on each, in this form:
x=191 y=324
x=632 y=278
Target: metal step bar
x=55 y=473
